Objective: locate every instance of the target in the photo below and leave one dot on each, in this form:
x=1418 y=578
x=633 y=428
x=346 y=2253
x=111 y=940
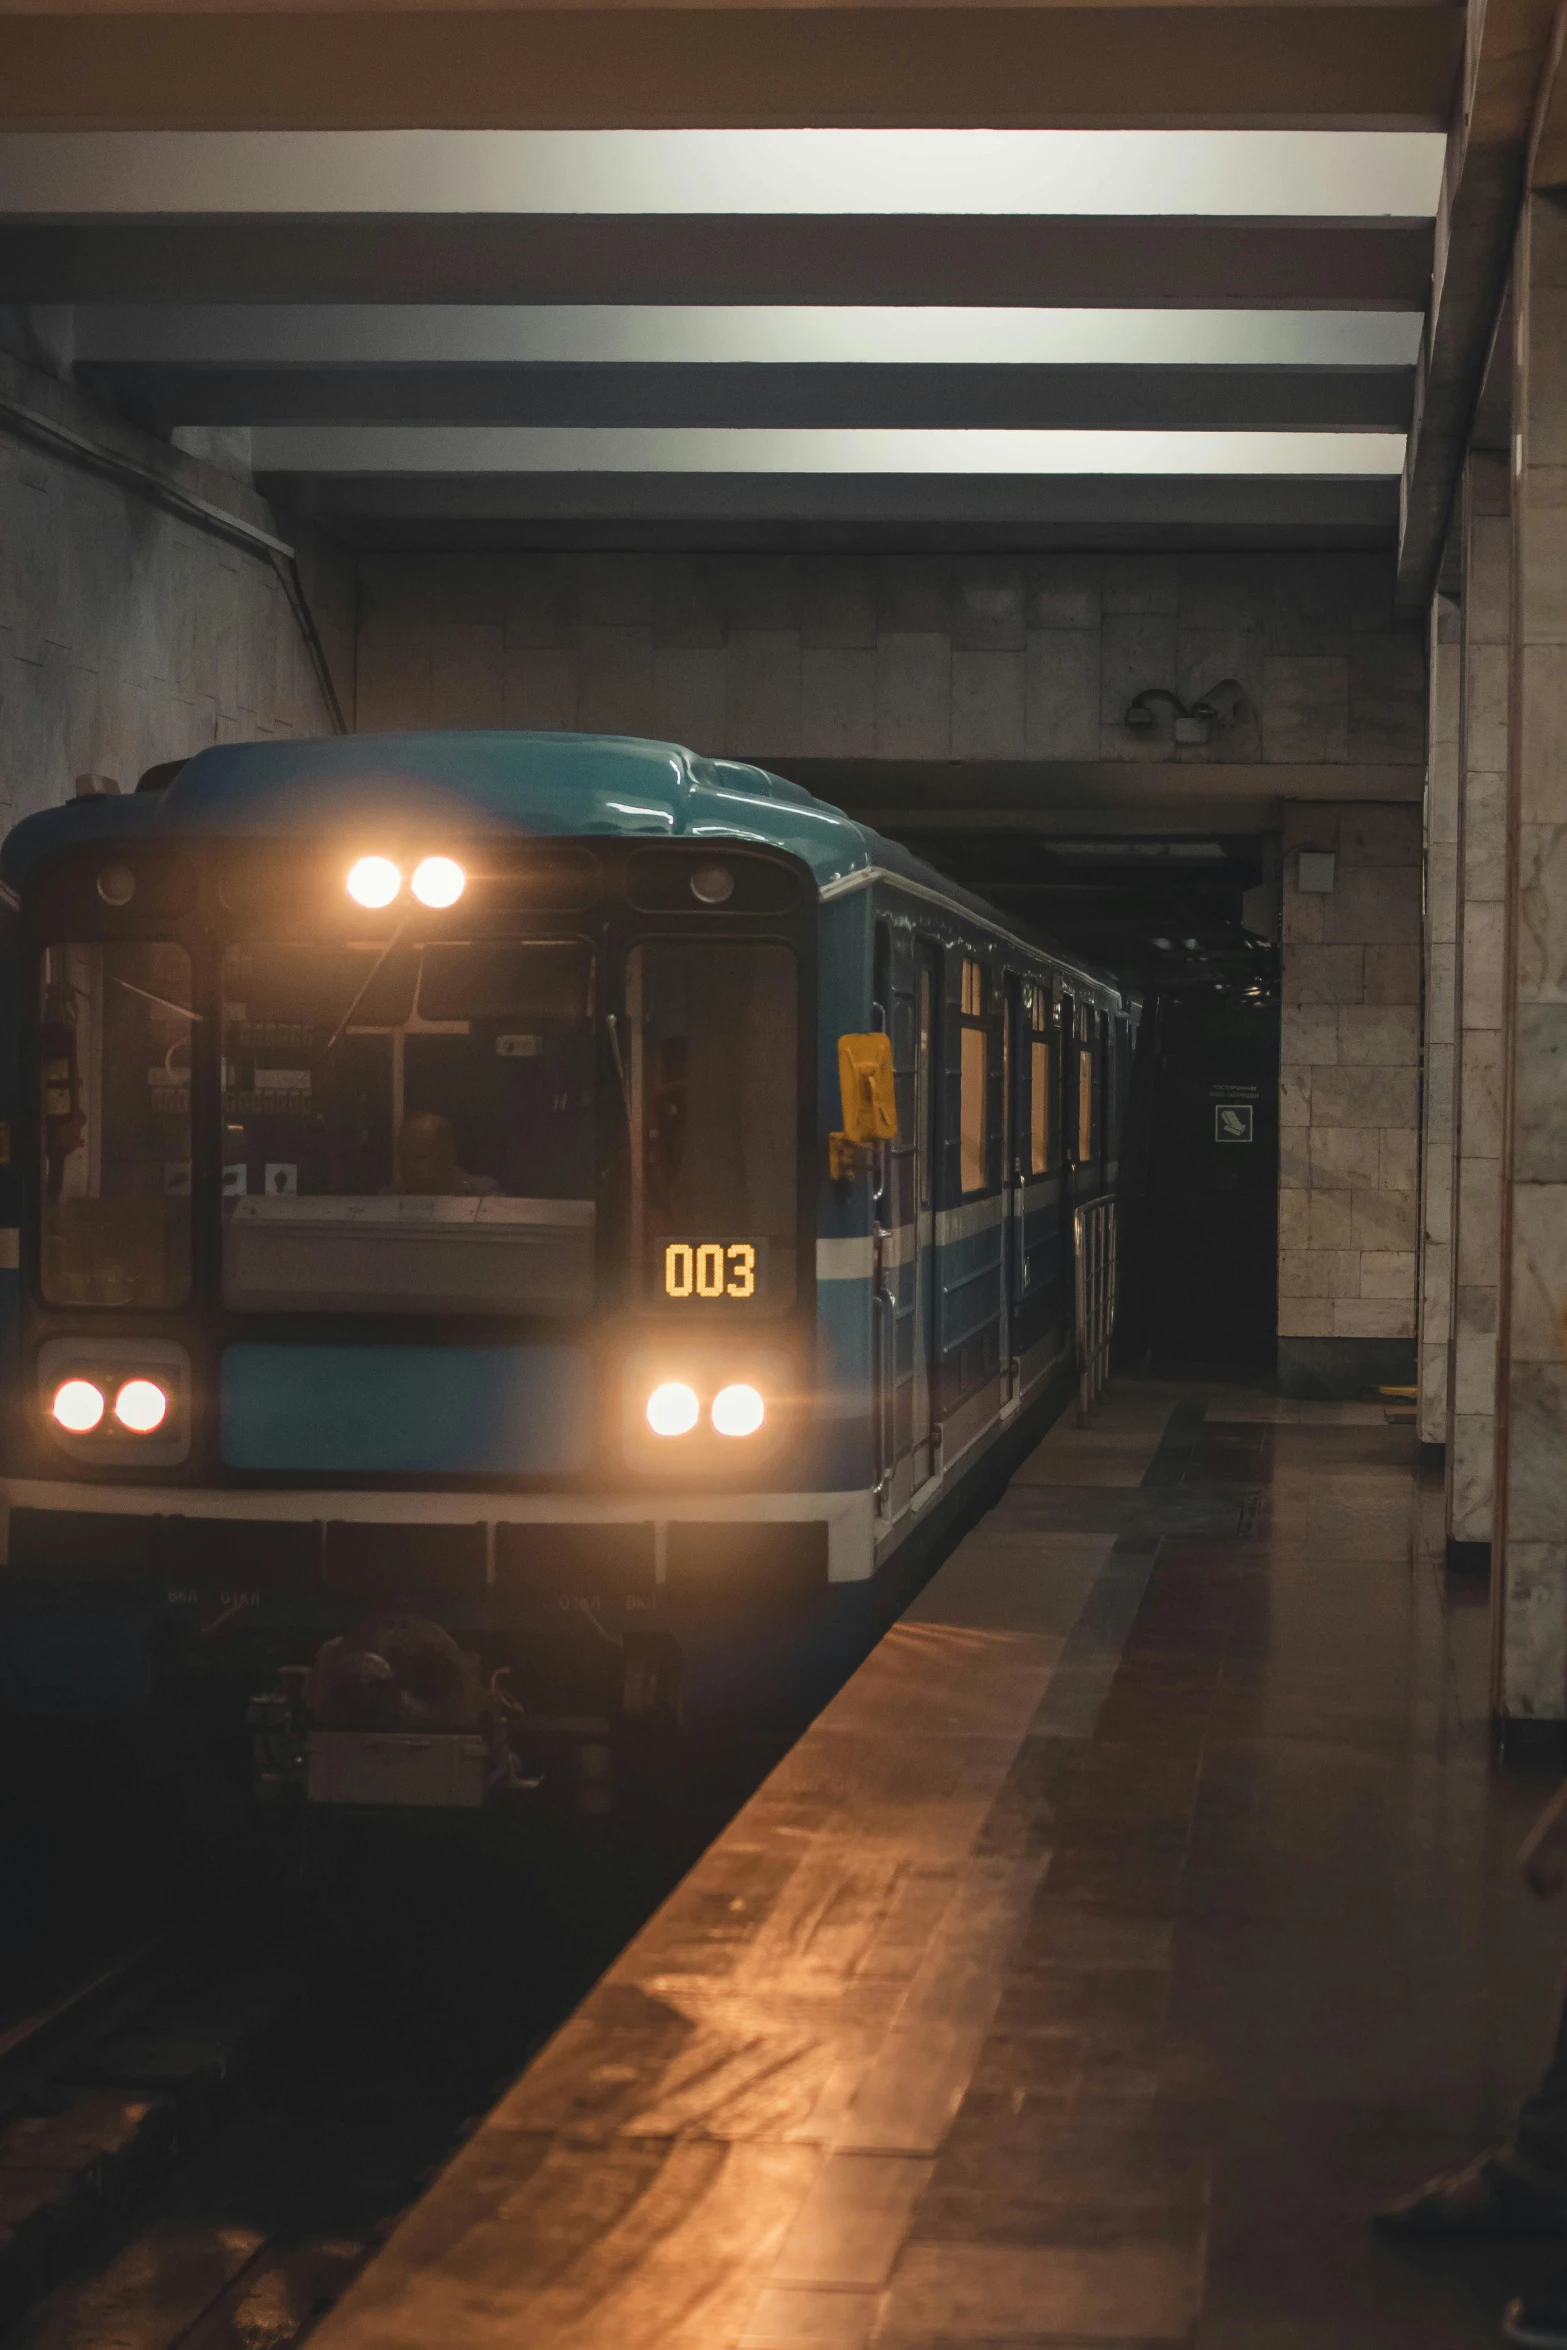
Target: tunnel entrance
x=1192 y=920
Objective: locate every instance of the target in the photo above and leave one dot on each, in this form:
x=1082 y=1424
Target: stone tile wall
x=1444 y=760
x=901 y=657
x=1481 y=893
x=1349 y=1097
x=128 y=635
x=1530 y=1500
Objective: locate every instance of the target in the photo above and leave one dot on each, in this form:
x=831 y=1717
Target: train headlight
x=673 y=1409
x=141 y=1406
x=373 y=882
x=78 y=1406
x=738 y=1411
x=438 y=881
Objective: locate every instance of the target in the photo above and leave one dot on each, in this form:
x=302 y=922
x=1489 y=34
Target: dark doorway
x=1213 y=1180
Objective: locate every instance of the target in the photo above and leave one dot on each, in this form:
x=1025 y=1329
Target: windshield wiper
x=613 y=1025
x=365 y=983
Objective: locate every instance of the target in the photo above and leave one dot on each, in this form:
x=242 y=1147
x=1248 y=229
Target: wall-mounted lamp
x=1223 y=705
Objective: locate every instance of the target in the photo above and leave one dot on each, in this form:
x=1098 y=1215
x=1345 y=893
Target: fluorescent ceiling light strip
x=376 y=334
x=407 y=449
x=1320 y=174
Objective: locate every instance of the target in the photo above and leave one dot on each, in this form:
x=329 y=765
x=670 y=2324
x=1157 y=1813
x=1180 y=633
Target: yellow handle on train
x=870 y=1102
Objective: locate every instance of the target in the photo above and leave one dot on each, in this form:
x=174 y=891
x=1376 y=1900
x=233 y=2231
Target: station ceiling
x=1175 y=298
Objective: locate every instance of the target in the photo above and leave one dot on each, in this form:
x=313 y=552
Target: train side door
x=1012 y=1131
x=926 y=1092
x=1071 y=1179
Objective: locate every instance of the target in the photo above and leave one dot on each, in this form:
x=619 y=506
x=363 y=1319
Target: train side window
x=1041 y=1087
x=974 y=1152
x=1085 y=1103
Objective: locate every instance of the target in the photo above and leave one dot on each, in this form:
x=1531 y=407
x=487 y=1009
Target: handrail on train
x=1094 y=1236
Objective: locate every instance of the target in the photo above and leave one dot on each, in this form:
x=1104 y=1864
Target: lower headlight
x=737 y=1411
x=673 y=1409
x=78 y=1406
x=141 y=1406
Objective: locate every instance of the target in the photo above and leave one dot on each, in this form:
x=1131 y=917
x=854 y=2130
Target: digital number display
x=709 y=1268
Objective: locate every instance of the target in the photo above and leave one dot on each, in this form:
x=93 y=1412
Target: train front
x=414 y=1316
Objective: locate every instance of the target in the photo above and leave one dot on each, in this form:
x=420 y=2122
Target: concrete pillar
x=1486 y=524
x=1530 y=1538
x=1443 y=766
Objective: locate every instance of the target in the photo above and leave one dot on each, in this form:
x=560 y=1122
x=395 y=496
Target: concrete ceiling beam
x=1193 y=398
x=965 y=260
x=478 y=66
x=1129 y=509
x=1516 y=47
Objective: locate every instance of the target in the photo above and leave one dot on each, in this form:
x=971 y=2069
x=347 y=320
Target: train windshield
x=715 y=1103
x=409 y=1128
x=115 y=1124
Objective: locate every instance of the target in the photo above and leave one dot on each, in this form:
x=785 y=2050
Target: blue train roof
x=541 y=784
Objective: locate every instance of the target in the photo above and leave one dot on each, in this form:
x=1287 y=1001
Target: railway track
x=320 y=2091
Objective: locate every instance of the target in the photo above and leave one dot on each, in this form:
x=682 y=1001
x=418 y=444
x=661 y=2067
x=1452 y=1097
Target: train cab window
x=1041 y=1084
x=715 y=1108
x=409 y=1128
x=974 y=1151
x=115 y=1124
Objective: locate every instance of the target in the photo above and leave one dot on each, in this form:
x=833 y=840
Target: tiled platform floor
x=1139 y=1915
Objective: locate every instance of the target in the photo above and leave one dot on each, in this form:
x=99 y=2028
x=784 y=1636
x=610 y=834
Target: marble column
x=1443 y=767
x=1530 y=1537
x=1486 y=524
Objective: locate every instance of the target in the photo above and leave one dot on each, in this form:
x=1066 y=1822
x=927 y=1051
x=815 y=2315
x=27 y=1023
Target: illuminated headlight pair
x=375 y=881
x=140 y=1406
x=673 y=1409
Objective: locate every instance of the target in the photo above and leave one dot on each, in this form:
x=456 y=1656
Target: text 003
x=709 y=1268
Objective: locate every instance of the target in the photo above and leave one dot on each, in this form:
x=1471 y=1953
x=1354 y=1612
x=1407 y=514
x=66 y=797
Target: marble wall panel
x=838 y=701
x=1319 y=1273
x=1536 y=1448
x=1306 y=1317
x=1388 y=1274
x=1309 y=1033
x=1382 y=1219
x=1471 y=1442
x=1305 y=708
x=1542 y=911
x=1374 y=903
x=1094 y=630
x=1540 y=1093
x=1398 y=1159
x=688 y=693
x=539 y=687
x=913 y=696
x=1392 y=975
x=1330 y=1218
x=1324 y=975
x=1365 y=1097
x=1345 y=1158
x=1294 y=1096
x=762 y=690
x=1370 y=1317
x=988 y=689
x=1534 y=1638
x=1385 y=1036
x=1061 y=708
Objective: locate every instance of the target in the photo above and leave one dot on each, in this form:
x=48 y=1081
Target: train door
x=1066 y=1078
x=1012 y=1129
x=926 y=1094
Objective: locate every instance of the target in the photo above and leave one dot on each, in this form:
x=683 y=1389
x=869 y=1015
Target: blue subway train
x=508 y=1226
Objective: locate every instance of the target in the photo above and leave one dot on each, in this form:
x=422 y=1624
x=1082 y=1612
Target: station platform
x=1139 y=1915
